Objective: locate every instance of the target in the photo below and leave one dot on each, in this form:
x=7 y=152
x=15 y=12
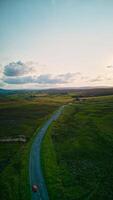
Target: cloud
x=33 y=65
x=19 y=68
x=68 y=77
x=1 y=75
x=41 y=79
x=30 y=73
x=16 y=69
x=1 y=69
x=97 y=79
x=2 y=84
x=19 y=74
x=109 y=66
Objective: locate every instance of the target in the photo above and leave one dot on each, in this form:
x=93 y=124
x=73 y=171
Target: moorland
x=76 y=152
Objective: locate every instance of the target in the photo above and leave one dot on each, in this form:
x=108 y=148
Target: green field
x=21 y=114
x=77 y=152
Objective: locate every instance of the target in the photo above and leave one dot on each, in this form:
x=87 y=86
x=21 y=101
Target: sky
x=56 y=43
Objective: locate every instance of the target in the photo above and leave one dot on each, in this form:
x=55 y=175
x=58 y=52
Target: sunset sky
x=56 y=43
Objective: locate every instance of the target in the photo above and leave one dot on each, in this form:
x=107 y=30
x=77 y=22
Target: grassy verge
x=52 y=172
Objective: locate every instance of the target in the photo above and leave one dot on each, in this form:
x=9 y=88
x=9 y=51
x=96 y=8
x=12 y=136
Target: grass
x=21 y=114
x=52 y=172
x=77 y=152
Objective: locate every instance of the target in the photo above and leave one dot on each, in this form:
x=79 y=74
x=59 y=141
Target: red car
x=35 y=188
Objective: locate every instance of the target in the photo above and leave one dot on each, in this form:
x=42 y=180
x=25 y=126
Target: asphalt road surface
x=35 y=171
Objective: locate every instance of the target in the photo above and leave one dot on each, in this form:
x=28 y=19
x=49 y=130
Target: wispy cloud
x=1 y=69
x=1 y=75
x=97 y=79
x=41 y=79
x=109 y=66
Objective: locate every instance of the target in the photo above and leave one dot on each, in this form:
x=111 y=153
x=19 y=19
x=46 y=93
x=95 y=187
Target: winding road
x=35 y=171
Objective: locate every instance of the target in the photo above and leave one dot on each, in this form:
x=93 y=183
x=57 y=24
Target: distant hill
x=82 y=91
x=2 y=91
